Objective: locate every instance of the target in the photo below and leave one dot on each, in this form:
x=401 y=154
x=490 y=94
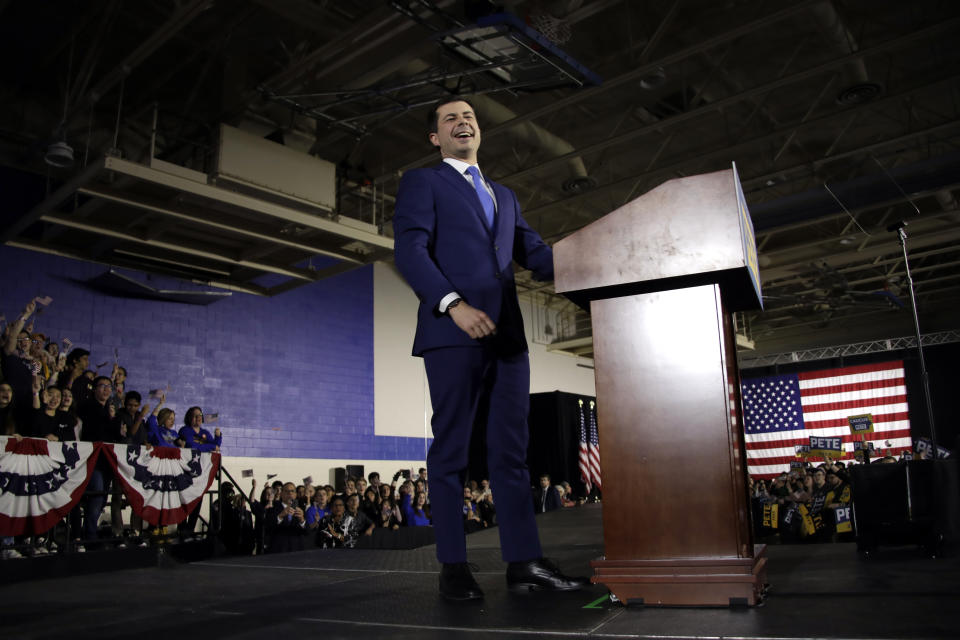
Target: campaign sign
x=801 y=450
x=796 y=464
x=842 y=517
x=861 y=424
x=826 y=446
x=857 y=446
x=906 y=455
x=923 y=447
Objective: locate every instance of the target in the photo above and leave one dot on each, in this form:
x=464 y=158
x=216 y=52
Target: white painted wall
x=401 y=397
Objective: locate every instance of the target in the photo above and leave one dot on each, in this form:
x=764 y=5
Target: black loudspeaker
x=355 y=471
x=339 y=479
x=905 y=503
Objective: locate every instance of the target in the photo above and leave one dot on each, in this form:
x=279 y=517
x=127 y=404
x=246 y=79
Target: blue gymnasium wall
x=290 y=376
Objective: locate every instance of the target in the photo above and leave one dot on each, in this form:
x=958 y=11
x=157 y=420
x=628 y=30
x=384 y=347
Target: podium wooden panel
x=675 y=506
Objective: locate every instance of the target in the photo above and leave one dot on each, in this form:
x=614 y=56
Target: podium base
x=704 y=582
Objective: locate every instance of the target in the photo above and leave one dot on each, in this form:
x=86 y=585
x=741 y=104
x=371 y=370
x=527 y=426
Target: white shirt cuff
x=447 y=299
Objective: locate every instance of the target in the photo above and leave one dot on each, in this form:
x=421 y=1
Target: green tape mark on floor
x=593 y=605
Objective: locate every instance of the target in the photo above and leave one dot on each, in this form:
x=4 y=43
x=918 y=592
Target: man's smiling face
x=458 y=134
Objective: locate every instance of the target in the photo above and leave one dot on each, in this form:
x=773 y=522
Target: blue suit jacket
x=442 y=244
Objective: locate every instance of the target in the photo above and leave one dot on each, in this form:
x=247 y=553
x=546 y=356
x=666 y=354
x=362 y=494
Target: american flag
x=780 y=412
x=594 y=447
x=584 y=462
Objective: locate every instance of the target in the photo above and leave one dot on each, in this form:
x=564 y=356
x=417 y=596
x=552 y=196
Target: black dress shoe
x=457 y=583
x=540 y=574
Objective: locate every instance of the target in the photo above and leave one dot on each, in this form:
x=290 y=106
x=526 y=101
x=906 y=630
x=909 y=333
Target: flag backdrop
x=40 y=482
x=163 y=484
x=780 y=412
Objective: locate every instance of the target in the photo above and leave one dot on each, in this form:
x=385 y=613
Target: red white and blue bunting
x=163 y=484
x=42 y=481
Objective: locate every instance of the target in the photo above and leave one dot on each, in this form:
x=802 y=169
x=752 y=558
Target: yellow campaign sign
x=861 y=424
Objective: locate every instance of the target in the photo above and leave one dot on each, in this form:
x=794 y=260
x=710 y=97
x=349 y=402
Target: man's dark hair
x=132 y=395
x=75 y=355
x=372 y=475
x=432 y=114
x=544 y=475
x=97 y=380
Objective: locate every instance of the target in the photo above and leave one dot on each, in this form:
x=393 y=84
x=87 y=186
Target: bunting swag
x=163 y=484
x=41 y=481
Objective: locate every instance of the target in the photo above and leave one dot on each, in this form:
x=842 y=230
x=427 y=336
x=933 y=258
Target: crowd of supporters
x=809 y=503
x=48 y=390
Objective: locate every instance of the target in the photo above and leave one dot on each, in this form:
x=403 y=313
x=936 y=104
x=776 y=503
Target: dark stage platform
x=818 y=591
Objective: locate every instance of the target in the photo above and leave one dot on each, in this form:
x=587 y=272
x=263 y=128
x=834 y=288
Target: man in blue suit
x=456 y=237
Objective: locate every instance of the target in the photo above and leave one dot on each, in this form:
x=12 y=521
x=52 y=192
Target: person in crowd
x=19 y=367
x=361 y=522
x=318 y=510
x=130 y=425
x=374 y=479
x=159 y=426
x=420 y=486
x=487 y=511
x=389 y=514
x=286 y=523
x=471 y=514
x=8 y=422
x=302 y=497
x=361 y=485
x=68 y=413
x=337 y=530
x=73 y=376
x=546 y=497
x=259 y=509
x=405 y=502
x=97 y=415
x=371 y=505
x=199 y=438
x=420 y=516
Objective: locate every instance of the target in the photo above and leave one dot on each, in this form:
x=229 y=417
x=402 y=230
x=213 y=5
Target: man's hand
x=472 y=321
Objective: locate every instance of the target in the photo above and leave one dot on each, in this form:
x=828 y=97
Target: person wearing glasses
x=98 y=425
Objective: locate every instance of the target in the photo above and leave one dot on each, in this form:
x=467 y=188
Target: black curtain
x=555 y=437
x=554 y=425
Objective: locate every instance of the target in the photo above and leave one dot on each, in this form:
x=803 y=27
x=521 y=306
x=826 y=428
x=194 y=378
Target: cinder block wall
x=290 y=376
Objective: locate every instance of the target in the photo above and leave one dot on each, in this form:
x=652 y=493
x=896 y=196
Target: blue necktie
x=485 y=200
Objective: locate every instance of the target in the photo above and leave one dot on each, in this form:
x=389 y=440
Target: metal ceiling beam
x=730 y=151
x=663 y=125
x=147 y=204
x=75 y=255
x=915 y=241
x=101 y=230
x=634 y=74
x=180 y=19
x=50 y=203
x=249 y=203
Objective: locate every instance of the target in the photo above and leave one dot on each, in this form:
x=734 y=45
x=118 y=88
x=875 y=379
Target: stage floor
x=818 y=591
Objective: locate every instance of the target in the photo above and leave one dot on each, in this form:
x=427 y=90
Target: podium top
x=686 y=232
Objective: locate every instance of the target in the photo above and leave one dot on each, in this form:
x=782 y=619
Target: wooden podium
x=662 y=275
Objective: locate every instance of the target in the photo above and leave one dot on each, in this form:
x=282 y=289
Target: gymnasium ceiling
x=843 y=117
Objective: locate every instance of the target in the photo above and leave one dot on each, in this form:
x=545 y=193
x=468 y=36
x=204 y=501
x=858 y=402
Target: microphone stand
x=899 y=228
